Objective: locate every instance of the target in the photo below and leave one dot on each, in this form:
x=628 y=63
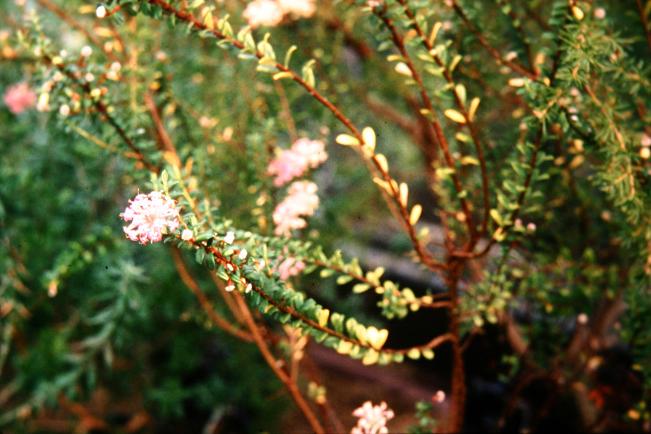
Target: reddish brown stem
x=474 y=135
x=291 y=387
x=375 y=163
x=102 y=109
x=206 y=305
x=511 y=64
x=427 y=103
x=456 y=418
x=165 y=142
x=65 y=17
x=645 y=22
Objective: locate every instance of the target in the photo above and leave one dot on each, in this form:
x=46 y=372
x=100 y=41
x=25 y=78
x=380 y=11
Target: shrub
x=153 y=149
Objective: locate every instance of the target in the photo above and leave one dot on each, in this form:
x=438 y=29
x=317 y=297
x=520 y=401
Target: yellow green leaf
x=469 y=160
x=455 y=116
x=370 y=357
x=415 y=213
x=404 y=193
x=462 y=137
x=460 y=89
x=361 y=287
x=499 y=235
x=383 y=184
x=381 y=338
x=369 y=137
x=474 y=104
x=496 y=216
x=516 y=82
x=344 y=347
x=360 y=332
x=322 y=316
x=382 y=162
x=435 y=30
x=403 y=69
x=347 y=140
x=455 y=62
x=281 y=75
x=208 y=20
x=578 y=13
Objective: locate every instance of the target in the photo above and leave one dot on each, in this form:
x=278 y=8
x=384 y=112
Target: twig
x=101 y=108
x=286 y=112
x=292 y=388
x=645 y=22
x=164 y=140
x=374 y=163
x=206 y=305
x=474 y=135
x=427 y=103
x=511 y=64
x=65 y=17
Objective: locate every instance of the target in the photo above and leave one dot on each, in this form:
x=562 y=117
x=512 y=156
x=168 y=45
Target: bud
x=86 y=51
x=600 y=13
x=101 y=11
x=64 y=110
x=230 y=237
x=43 y=103
x=439 y=397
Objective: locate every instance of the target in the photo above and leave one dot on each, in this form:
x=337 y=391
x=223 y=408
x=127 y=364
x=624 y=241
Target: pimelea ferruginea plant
x=505 y=143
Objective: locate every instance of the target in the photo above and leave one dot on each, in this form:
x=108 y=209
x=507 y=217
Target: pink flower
x=372 y=418
x=646 y=140
x=286 y=166
x=600 y=13
x=312 y=151
x=263 y=13
x=298 y=8
x=300 y=201
x=149 y=216
x=294 y=162
x=290 y=267
x=19 y=97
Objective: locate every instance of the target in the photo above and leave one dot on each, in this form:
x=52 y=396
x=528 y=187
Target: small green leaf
x=200 y=255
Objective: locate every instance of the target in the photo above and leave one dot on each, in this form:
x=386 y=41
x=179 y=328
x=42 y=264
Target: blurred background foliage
x=89 y=318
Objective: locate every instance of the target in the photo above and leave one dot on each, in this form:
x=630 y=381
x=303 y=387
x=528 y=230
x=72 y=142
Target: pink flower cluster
x=19 y=97
x=290 y=267
x=298 y=8
x=372 y=418
x=149 y=217
x=294 y=162
x=263 y=13
x=271 y=12
x=301 y=201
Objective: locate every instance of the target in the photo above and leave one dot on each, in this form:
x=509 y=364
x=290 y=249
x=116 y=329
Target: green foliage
x=519 y=127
